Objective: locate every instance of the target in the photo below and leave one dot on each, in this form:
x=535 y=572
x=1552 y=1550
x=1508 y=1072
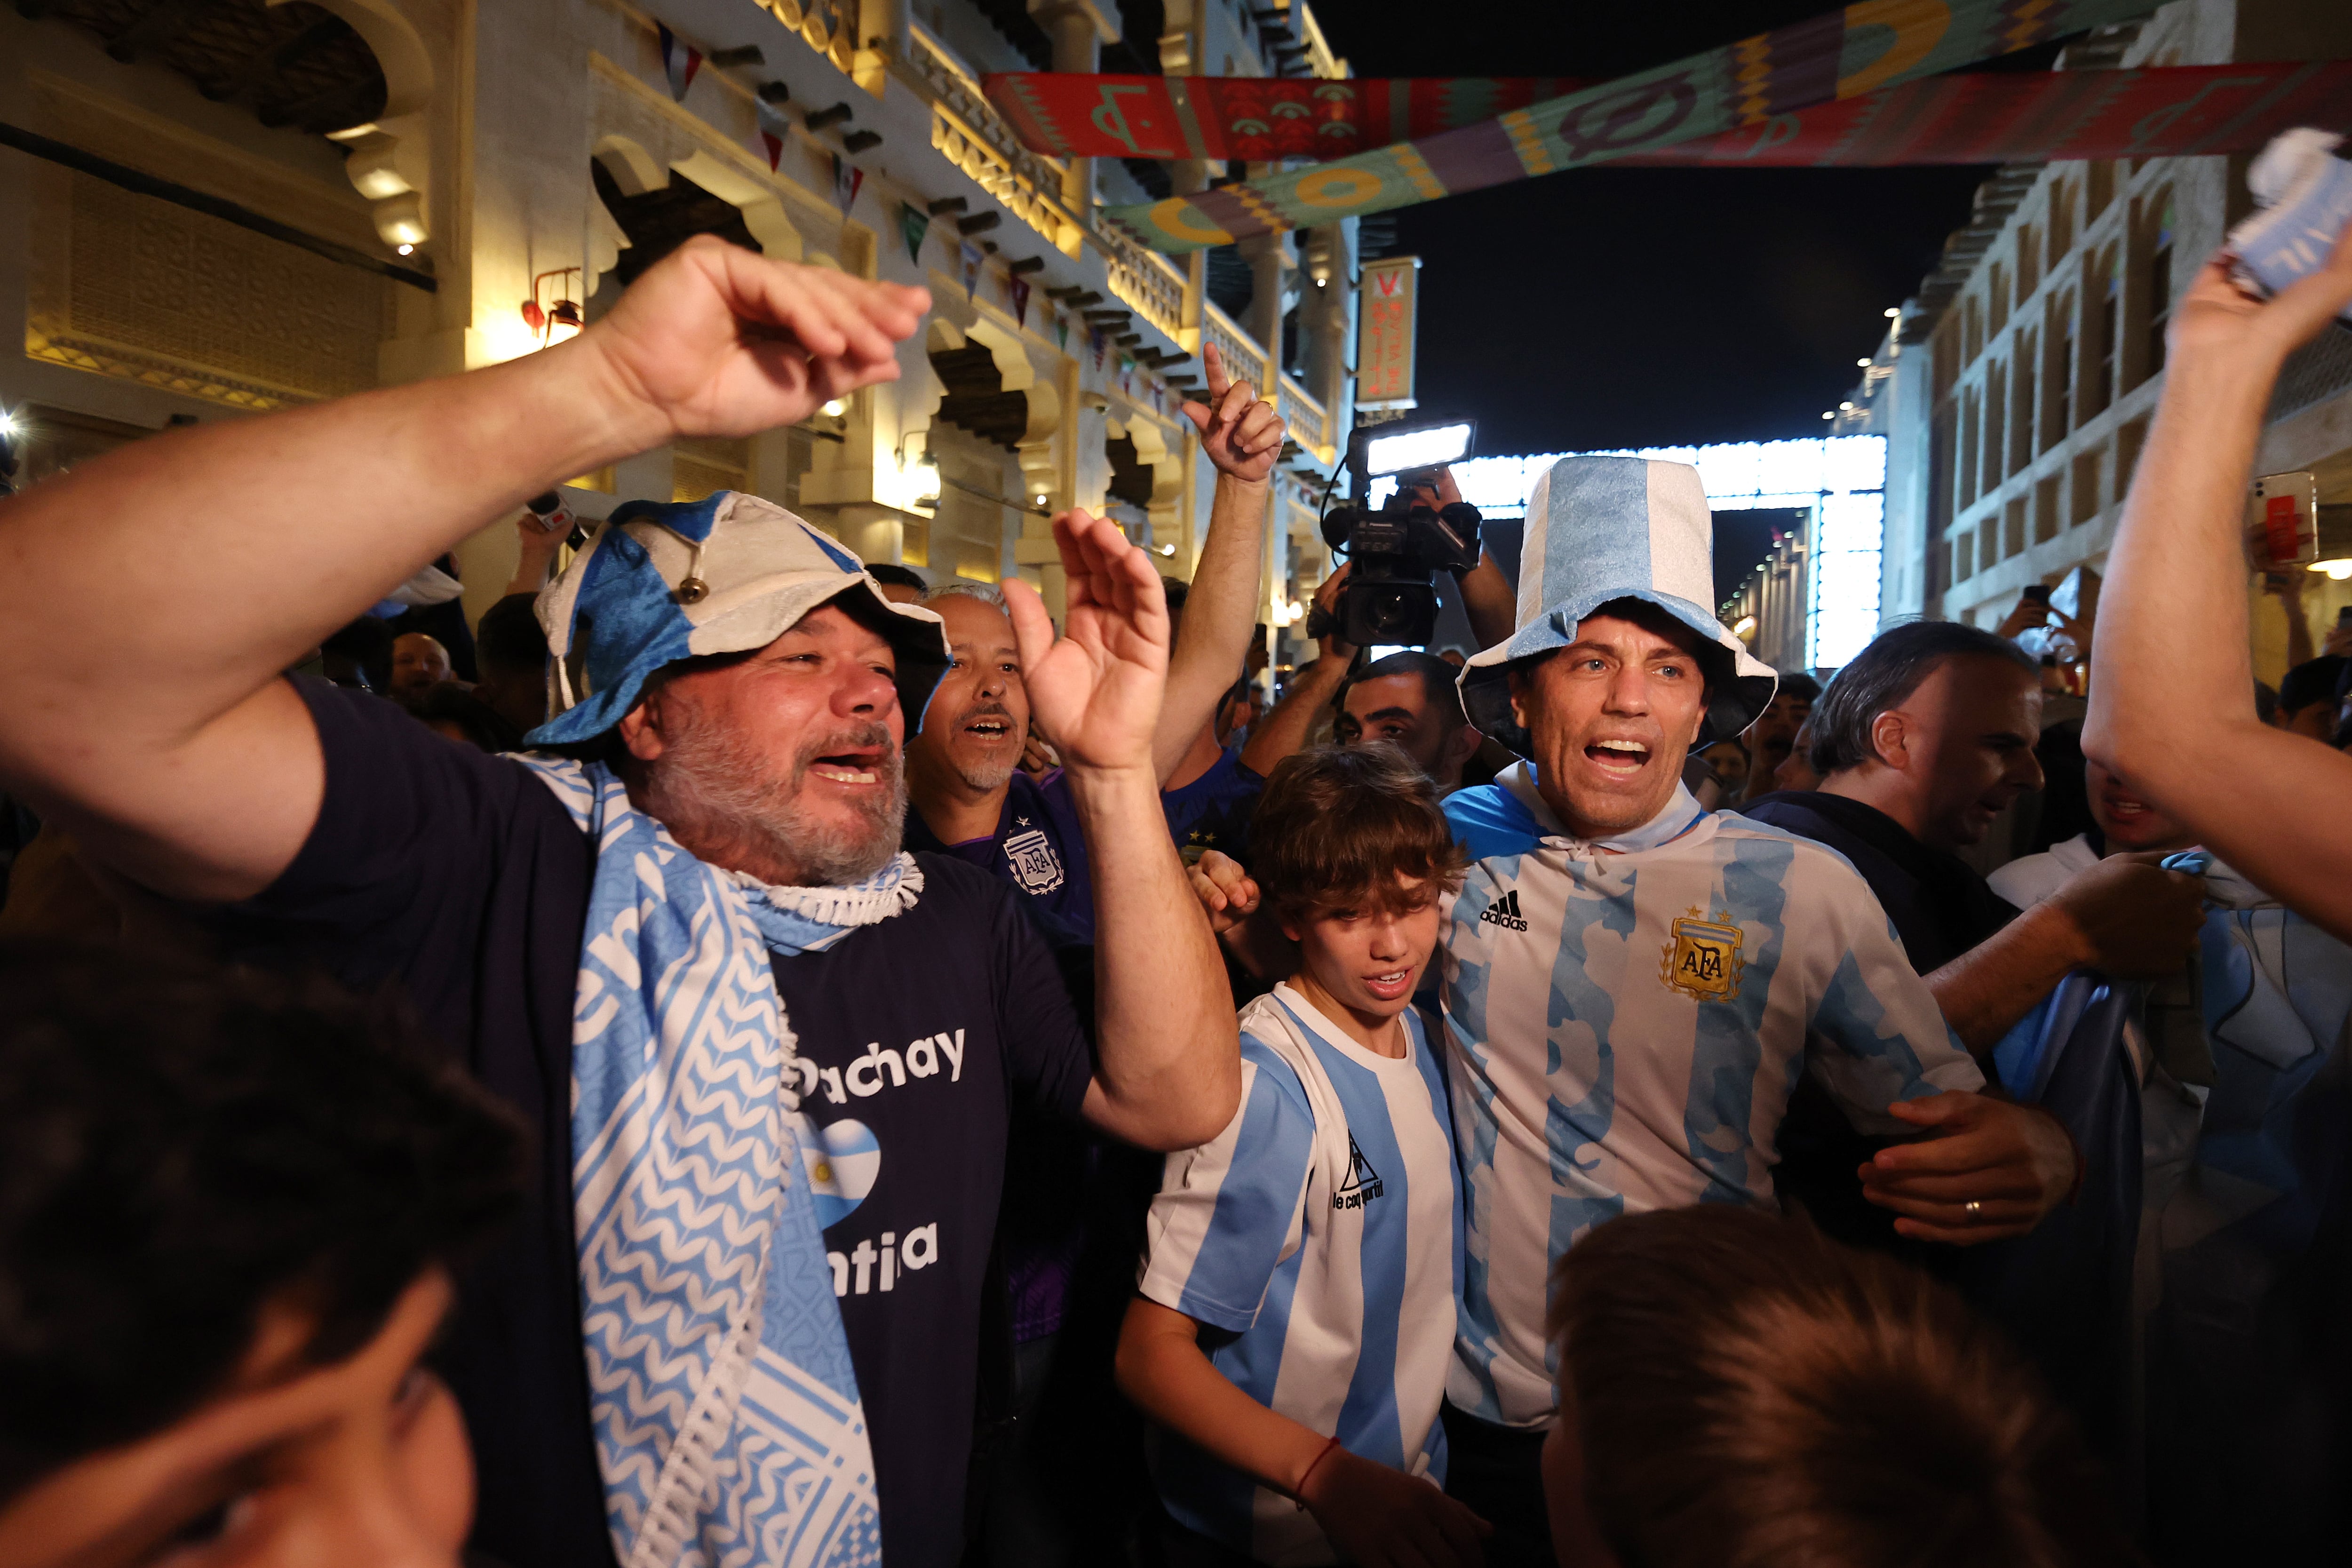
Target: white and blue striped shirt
x=1321 y=1231
x=1625 y=1020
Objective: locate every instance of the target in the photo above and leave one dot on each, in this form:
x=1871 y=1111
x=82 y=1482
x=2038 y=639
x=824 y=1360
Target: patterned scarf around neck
x=726 y=1416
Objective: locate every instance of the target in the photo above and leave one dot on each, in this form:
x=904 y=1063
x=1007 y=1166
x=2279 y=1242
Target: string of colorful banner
x=1847 y=54
x=1988 y=118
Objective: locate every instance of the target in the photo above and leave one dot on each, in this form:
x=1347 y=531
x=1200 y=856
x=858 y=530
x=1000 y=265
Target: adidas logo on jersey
x=1505 y=913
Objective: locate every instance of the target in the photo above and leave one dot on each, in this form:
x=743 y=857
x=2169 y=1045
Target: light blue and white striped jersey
x=1624 y=1029
x=1322 y=1229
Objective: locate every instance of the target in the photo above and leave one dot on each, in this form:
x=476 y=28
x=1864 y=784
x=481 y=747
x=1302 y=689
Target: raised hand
x=716 y=340
x=2014 y=1163
x=1228 y=894
x=1096 y=689
x=1240 y=431
x=1383 y=1518
x=2218 y=315
x=1326 y=599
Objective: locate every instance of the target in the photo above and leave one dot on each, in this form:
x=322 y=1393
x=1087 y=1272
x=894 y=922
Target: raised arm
x=1168 y=1071
x=2171 y=674
x=158 y=592
x=1242 y=435
x=1285 y=729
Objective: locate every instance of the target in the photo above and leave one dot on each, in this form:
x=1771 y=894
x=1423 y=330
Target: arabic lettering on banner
x=1868 y=46
x=1384 y=341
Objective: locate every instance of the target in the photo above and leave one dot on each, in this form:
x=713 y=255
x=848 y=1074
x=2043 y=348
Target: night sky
x=1601 y=308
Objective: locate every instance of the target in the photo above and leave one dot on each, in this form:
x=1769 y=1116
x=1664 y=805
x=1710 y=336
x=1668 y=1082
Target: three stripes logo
x=1505 y=913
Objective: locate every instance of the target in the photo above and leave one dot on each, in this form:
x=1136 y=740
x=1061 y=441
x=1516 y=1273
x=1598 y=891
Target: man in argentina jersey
x=1632 y=985
x=1318 y=1233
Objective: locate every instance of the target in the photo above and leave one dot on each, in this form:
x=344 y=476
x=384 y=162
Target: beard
x=712 y=782
x=984 y=777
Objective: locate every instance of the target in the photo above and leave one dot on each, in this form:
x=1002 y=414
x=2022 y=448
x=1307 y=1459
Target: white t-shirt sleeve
x=1876 y=1035
x=1229 y=1212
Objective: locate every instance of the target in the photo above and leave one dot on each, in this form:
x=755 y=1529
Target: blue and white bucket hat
x=1615 y=528
x=659 y=584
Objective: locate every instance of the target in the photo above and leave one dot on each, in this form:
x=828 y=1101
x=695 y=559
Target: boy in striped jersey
x=1294 y=1321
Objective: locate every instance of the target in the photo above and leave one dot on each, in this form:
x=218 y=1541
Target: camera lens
x=1390 y=612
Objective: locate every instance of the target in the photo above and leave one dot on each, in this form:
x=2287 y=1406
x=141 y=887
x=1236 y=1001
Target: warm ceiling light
x=1862 y=363
x=1742 y=627
x=407 y=250
x=2337 y=570
x=834 y=408
x=1893 y=311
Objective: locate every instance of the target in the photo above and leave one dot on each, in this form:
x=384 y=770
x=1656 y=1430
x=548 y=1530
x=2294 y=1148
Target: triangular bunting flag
x=1019 y=288
x=847 y=177
x=1062 y=329
x=678 y=63
x=774 y=128
x=913 y=224
x=971 y=263
x=1094 y=341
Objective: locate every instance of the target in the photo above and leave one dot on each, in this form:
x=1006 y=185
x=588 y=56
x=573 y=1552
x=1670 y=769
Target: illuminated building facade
x=212 y=209
x=2017 y=390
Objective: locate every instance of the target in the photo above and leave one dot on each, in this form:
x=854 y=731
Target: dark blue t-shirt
x=1037 y=847
x=1213 y=811
x=457 y=879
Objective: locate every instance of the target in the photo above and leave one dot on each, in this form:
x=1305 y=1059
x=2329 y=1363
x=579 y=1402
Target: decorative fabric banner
x=847 y=177
x=1061 y=330
x=914 y=226
x=774 y=129
x=2038 y=117
x=1019 y=288
x=1870 y=45
x=970 y=261
x=1262 y=119
x=1991 y=118
x=678 y=63
x=1094 y=341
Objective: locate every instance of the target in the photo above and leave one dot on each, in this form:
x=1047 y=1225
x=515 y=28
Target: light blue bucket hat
x=1615 y=528
x=656 y=584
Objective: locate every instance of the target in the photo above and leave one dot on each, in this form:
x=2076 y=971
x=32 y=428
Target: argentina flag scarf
x=726 y=1416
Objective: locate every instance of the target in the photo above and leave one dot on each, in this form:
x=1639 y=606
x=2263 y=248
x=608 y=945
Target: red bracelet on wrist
x=1299 y=1496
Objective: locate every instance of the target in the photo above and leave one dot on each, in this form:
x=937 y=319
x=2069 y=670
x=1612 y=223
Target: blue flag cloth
x=726 y=1414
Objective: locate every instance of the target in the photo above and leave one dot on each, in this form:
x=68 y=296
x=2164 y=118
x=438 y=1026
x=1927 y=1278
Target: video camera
x=1396 y=552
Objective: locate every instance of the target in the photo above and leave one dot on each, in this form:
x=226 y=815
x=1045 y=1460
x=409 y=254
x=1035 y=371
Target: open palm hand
x=1096 y=688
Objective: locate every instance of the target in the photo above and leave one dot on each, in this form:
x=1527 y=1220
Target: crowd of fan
x=795 y=1110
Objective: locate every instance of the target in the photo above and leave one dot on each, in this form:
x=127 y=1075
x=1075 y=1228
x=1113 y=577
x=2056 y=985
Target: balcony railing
x=1147 y=280
x=1310 y=426
x=966 y=128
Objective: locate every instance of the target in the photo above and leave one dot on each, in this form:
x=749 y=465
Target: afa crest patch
x=1702 y=958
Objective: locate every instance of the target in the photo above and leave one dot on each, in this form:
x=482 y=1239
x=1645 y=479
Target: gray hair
x=1884 y=676
x=986 y=593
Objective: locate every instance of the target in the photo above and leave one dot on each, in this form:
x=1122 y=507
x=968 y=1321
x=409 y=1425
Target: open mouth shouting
x=1618 y=758
x=992 y=726
x=857 y=766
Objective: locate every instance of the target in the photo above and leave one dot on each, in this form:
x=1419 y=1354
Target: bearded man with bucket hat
x=1632 y=985
x=770 y=1058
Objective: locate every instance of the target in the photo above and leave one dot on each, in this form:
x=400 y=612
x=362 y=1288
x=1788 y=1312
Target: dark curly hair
x=1339 y=824
x=179 y=1148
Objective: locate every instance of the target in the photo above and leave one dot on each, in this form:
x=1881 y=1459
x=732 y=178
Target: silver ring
x=1973 y=1209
